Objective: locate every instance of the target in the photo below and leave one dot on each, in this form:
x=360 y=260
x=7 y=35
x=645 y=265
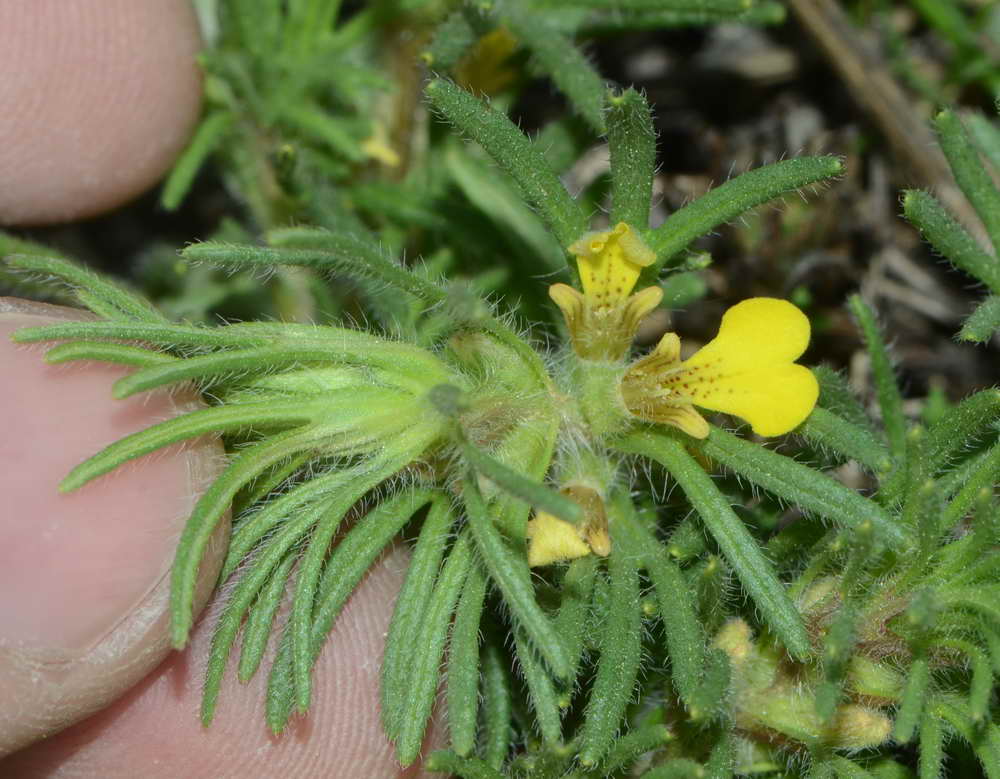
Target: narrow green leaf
x=411 y=607
x=119 y=354
x=825 y=429
x=207 y=513
x=632 y=145
x=466 y=767
x=500 y=198
x=311 y=120
x=511 y=574
x=160 y=335
x=741 y=551
x=264 y=485
x=344 y=253
x=848 y=769
x=261 y=619
x=949 y=238
x=218 y=419
x=709 y=700
x=970 y=173
x=716 y=6
x=984 y=742
x=959 y=427
x=206 y=139
x=722 y=758
x=452 y=38
x=889 y=398
x=250 y=584
x=931 y=747
x=799 y=484
x=627 y=749
x=264 y=520
x=541 y=690
x=554 y=55
x=911 y=708
x=836 y=395
x=519 y=485
x=620 y=646
x=126 y=303
x=735 y=197
x=984 y=476
x=678 y=768
x=983 y=322
x=574 y=605
x=463 y=664
x=311 y=566
x=684 y=634
x=514 y=153
x=280 y=686
x=496 y=705
x=424 y=668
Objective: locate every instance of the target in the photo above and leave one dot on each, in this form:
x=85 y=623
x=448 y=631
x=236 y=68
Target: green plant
x=812 y=642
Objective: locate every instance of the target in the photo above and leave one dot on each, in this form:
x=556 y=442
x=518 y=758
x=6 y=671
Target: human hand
x=108 y=91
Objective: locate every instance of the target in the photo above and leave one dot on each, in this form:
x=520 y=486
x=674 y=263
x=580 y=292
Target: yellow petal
x=756 y=332
x=683 y=417
x=610 y=263
x=774 y=400
x=552 y=540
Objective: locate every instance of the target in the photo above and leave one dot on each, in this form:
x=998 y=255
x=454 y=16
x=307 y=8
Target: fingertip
x=99 y=98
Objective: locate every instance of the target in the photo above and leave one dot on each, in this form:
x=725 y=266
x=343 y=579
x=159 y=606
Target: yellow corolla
x=747 y=370
x=603 y=320
x=553 y=540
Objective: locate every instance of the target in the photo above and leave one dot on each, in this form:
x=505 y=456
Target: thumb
x=83 y=577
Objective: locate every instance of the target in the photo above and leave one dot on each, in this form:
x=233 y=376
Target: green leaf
x=620 y=646
x=637 y=742
x=411 y=606
x=950 y=239
x=519 y=485
x=825 y=429
x=555 y=56
x=800 y=485
x=261 y=618
x=889 y=398
x=511 y=574
x=632 y=145
x=206 y=139
x=251 y=583
x=959 y=427
x=423 y=670
x=113 y=300
x=496 y=705
x=497 y=197
x=452 y=38
x=207 y=513
x=119 y=354
x=514 y=153
x=741 y=551
x=918 y=679
x=220 y=419
x=463 y=664
x=735 y=197
x=443 y=761
x=970 y=173
x=542 y=692
x=574 y=607
x=983 y=322
x=931 y=747
x=343 y=253
x=684 y=634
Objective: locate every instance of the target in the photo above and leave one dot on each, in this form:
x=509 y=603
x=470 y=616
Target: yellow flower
x=747 y=370
x=553 y=540
x=603 y=320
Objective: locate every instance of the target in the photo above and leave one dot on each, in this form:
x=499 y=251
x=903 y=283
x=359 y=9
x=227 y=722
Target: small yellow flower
x=603 y=320
x=747 y=370
x=553 y=540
